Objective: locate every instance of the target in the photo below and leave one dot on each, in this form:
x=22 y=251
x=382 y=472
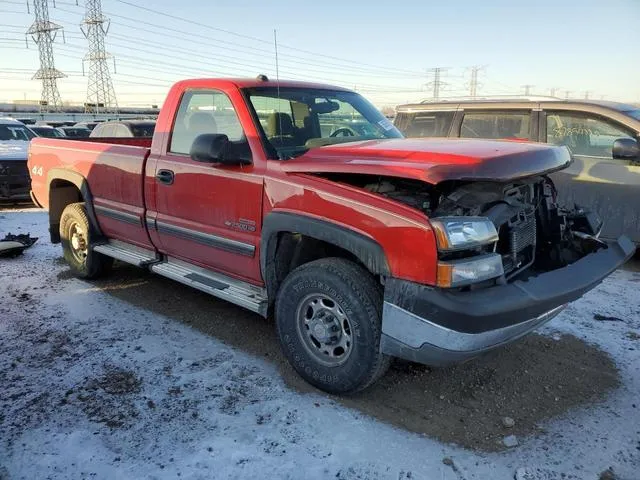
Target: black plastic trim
x=34 y=199
x=81 y=183
x=118 y=215
x=495 y=307
x=209 y=282
x=207 y=239
x=368 y=251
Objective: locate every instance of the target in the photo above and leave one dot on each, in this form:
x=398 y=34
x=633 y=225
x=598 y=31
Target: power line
x=43 y=32
x=250 y=50
x=249 y=37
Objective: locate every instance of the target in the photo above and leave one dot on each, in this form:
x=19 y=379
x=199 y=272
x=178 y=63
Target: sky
x=385 y=50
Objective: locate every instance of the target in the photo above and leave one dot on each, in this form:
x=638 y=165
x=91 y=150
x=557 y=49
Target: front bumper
x=14 y=180
x=439 y=327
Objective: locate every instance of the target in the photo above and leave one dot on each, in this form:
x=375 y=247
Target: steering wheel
x=343 y=131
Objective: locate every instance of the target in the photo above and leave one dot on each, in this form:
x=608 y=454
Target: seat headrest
x=279 y=124
x=202 y=122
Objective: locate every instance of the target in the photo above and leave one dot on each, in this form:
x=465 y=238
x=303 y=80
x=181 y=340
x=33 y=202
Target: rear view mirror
x=626 y=149
x=210 y=148
x=327 y=106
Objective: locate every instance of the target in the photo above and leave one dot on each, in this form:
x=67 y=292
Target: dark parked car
x=75 y=132
x=602 y=136
x=55 y=124
x=125 y=128
x=88 y=125
x=47 y=131
x=14 y=175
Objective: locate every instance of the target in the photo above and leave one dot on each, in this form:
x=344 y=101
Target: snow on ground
x=93 y=387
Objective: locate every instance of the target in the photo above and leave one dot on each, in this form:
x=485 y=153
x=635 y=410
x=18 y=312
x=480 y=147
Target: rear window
x=144 y=130
x=507 y=125
x=424 y=124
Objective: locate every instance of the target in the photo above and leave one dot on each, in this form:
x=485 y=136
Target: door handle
x=165 y=176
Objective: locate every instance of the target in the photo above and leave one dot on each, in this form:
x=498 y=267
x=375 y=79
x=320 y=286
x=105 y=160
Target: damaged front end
x=532 y=233
x=509 y=260
x=491 y=233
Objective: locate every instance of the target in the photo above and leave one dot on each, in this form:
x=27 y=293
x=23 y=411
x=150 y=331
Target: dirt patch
x=107 y=399
x=531 y=381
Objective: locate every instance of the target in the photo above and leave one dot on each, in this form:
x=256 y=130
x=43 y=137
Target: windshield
x=633 y=114
x=296 y=119
x=15 y=132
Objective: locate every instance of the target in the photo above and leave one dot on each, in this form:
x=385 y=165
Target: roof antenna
x=275 y=43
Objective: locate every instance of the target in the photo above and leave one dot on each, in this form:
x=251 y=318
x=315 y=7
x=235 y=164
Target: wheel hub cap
x=324 y=329
x=78 y=242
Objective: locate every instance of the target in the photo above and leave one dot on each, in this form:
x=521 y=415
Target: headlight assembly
x=461 y=233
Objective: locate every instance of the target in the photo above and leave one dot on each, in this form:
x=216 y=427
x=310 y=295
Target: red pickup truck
x=303 y=201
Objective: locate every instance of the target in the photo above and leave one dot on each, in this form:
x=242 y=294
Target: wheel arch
x=281 y=235
x=66 y=187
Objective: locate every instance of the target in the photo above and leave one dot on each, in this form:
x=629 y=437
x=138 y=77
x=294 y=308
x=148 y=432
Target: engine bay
x=535 y=234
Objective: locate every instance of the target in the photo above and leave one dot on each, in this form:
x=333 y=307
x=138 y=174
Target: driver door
x=207 y=214
x=595 y=180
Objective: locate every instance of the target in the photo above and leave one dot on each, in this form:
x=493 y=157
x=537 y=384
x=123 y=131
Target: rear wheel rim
x=325 y=329
x=78 y=242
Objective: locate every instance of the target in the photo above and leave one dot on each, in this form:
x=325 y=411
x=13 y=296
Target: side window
x=500 y=125
x=584 y=134
x=425 y=124
x=106 y=130
x=204 y=112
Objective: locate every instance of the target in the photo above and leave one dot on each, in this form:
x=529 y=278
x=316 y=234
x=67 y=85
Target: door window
x=499 y=125
x=425 y=124
x=583 y=134
x=203 y=112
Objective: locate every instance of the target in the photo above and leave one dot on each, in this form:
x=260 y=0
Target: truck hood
x=13 y=150
x=434 y=160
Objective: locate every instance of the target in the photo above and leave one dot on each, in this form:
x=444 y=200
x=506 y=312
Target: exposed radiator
x=521 y=233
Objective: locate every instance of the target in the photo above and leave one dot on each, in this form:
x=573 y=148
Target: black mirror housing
x=626 y=149
x=210 y=148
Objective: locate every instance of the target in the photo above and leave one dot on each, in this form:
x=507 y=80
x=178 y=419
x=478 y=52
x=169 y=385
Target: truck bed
x=114 y=169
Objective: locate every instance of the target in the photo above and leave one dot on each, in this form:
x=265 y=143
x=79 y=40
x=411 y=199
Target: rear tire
x=328 y=315
x=77 y=238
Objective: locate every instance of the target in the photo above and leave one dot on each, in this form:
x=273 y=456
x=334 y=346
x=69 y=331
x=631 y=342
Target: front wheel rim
x=325 y=329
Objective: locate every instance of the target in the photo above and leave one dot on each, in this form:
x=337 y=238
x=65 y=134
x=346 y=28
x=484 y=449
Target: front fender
x=365 y=249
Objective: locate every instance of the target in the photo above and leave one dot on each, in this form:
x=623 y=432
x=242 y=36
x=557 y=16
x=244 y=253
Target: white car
x=14 y=174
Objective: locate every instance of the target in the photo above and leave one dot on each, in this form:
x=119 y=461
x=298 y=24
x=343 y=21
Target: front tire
x=328 y=315
x=77 y=238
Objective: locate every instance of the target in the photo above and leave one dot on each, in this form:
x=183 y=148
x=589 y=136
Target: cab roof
x=256 y=83
x=429 y=104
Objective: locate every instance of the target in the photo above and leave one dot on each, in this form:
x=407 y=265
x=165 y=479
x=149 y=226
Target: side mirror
x=626 y=149
x=210 y=148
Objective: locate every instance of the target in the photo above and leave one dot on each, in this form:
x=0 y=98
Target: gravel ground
x=136 y=376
